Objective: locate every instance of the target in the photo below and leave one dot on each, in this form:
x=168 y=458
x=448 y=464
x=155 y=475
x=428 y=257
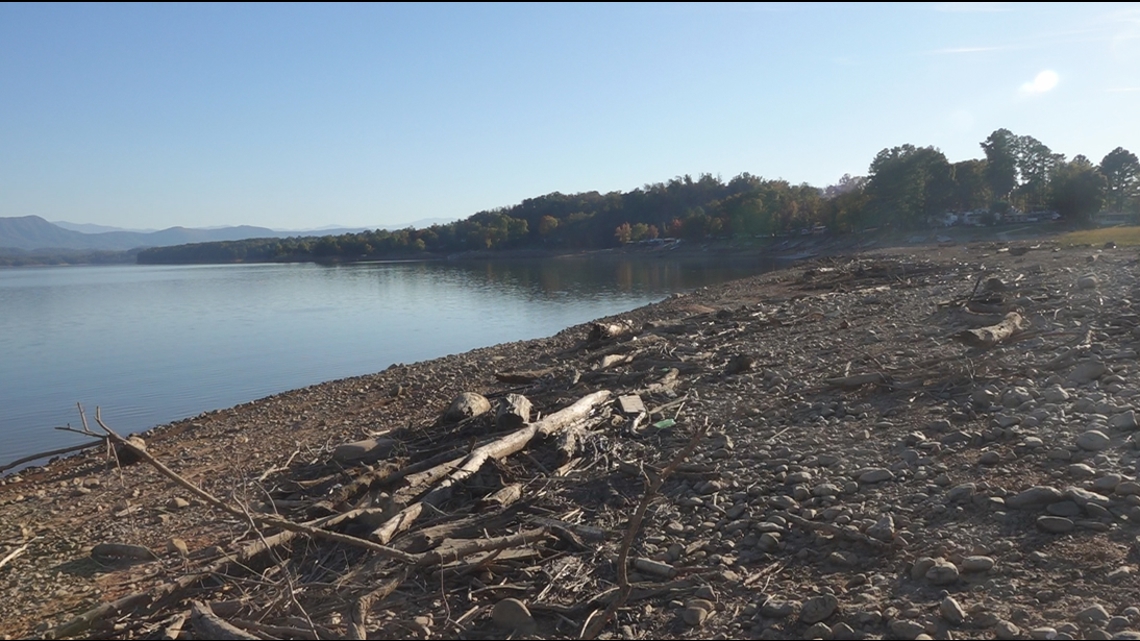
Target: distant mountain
x=89 y=228
x=33 y=232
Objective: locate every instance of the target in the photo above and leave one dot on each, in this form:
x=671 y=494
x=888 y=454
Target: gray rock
x=1081 y=471
x=1093 y=441
x=1088 y=281
x=818 y=608
x=989 y=457
x=1064 y=508
x=1055 y=394
x=369 y=450
x=1043 y=633
x=960 y=493
x=1055 y=524
x=951 y=610
x=1087 y=371
x=1128 y=488
x=1094 y=614
x=1107 y=483
x=777 y=609
x=818 y=631
x=1059 y=454
x=904 y=629
x=921 y=566
x=883 y=529
x=1124 y=421
x=1034 y=497
x=697 y=611
x=467 y=405
x=513 y=615
x=942 y=573
x=1007 y=630
x=876 y=475
x=977 y=564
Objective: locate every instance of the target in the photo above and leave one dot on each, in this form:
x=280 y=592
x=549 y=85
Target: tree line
x=906 y=187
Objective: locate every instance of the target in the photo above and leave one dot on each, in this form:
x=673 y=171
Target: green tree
x=1121 y=170
x=1001 y=163
x=907 y=184
x=1077 y=191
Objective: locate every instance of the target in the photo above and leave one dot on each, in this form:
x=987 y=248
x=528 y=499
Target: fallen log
x=208 y=625
x=987 y=337
x=495 y=450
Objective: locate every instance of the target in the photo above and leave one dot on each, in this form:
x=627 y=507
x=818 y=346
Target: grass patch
x=1122 y=236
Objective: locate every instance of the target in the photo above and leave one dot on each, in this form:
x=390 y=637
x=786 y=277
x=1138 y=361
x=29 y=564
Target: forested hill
x=907 y=187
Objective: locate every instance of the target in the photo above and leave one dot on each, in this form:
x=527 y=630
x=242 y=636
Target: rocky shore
x=852 y=448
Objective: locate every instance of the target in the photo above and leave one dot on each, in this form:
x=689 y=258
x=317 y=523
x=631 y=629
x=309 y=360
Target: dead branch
x=210 y=626
x=260 y=519
x=495 y=450
x=62 y=450
x=986 y=337
x=596 y=623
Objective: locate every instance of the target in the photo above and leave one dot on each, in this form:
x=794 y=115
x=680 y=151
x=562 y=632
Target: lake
x=154 y=344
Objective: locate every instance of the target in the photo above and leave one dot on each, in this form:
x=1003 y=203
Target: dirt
x=851 y=464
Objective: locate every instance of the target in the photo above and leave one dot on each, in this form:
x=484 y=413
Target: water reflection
x=152 y=344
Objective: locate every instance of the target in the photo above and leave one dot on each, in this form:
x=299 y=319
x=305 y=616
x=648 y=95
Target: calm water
x=153 y=344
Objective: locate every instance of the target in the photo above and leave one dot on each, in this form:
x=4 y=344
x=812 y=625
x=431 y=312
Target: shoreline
x=792 y=482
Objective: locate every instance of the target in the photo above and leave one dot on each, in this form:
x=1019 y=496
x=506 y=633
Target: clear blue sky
x=294 y=116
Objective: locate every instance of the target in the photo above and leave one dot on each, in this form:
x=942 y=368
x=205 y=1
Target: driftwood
x=495 y=450
x=605 y=331
x=208 y=625
x=986 y=337
x=36 y=457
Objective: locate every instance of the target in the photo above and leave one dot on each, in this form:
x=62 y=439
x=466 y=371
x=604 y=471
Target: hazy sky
x=299 y=116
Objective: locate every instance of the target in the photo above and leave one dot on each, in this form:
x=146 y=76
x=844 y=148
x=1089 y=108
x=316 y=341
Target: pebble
x=697 y=611
x=776 y=609
x=1007 y=630
x=977 y=564
x=818 y=608
x=1093 y=441
x=1093 y=614
x=1055 y=524
x=1034 y=497
x=876 y=475
x=904 y=629
x=942 y=573
x=514 y=615
x=951 y=610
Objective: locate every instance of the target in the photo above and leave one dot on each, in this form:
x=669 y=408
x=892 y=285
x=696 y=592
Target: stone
x=942 y=573
x=1081 y=471
x=818 y=608
x=777 y=609
x=177 y=503
x=1007 y=630
x=1087 y=371
x=1093 y=615
x=368 y=450
x=951 y=610
x=989 y=457
x=876 y=475
x=883 y=529
x=1055 y=524
x=904 y=629
x=818 y=631
x=176 y=545
x=1055 y=394
x=1042 y=633
x=513 y=614
x=467 y=405
x=843 y=632
x=977 y=564
x=1107 y=483
x=921 y=566
x=1124 y=421
x=631 y=404
x=1034 y=497
x=1064 y=508
x=697 y=611
x=1093 y=441
x=1088 y=281
x=1128 y=488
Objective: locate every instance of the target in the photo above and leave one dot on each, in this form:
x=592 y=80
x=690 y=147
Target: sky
x=300 y=116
